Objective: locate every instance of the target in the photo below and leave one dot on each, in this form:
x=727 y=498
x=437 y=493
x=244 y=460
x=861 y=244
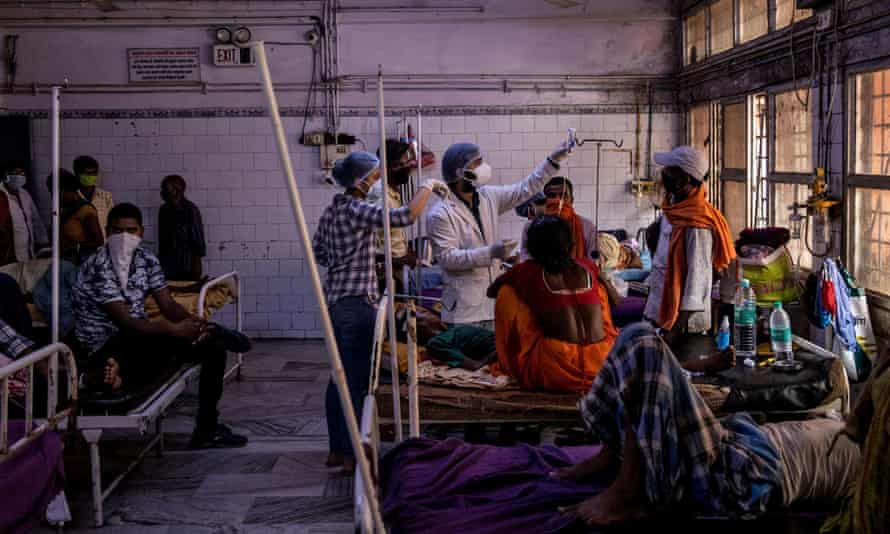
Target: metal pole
x=596 y=220
x=421 y=221
x=413 y=393
x=339 y=376
x=387 y=254
x=56 y=158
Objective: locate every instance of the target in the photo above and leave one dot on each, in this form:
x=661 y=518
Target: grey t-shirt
x=696 y=296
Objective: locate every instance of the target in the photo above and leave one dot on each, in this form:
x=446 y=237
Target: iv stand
x=573 y=142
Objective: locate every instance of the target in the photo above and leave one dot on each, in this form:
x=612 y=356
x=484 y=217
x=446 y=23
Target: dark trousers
x=353 y=319
x=143 y=358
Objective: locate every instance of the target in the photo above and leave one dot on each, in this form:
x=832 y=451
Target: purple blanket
x=452 y=486
x=29 y=480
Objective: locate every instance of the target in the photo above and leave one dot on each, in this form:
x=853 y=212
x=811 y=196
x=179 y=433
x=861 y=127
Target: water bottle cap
x=746 y=283
x=777 y=304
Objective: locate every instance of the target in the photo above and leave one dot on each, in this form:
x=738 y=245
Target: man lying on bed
x=672 y=451
x=552 y=326
x=124 y=349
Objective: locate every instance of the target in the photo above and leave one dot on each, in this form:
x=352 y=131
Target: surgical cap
x=456 y=158
x=354 y=168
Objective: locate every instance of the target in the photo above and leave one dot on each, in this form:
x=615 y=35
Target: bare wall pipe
x=338 y=375
x=387 y=254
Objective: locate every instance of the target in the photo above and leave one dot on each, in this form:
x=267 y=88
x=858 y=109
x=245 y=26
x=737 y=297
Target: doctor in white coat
x=463 y=228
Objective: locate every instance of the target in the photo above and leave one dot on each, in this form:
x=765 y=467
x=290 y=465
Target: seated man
x=693 y=241
x=109 y=307
x=553 y=326
x=672 y=450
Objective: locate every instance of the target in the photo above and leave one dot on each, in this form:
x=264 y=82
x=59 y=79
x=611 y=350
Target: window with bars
x=793 y=133
x=786 y=13
x=784 y=195
x=721 y=26
x=870 y=165
x=871 y=153
x=759 y=160
x=734 y=208
x=753 y=19
x=696 y=37
x=734 y=137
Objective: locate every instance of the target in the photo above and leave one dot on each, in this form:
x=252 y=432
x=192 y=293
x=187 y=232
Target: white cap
x=690 y=159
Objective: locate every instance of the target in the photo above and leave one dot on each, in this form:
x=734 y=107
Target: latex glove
x=436 y=186
x=503 y=248
x=561 y=152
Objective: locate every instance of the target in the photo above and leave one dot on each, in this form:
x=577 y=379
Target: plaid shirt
x=12 y=344
x=346 y=244
x=689 y=455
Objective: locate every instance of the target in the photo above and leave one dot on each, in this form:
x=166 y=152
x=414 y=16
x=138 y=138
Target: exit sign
x=227 y=55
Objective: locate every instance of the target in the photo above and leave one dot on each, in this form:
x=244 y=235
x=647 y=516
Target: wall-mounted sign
x=164 y=65
x=227 y=55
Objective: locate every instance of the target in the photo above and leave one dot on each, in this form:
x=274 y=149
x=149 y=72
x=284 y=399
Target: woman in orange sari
x=552 y=323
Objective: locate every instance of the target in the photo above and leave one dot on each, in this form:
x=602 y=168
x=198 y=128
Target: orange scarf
x=693 y=212
x=567 y=213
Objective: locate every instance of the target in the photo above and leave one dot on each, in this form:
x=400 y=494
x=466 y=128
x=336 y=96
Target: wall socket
x=331 y=153
x=313 y=139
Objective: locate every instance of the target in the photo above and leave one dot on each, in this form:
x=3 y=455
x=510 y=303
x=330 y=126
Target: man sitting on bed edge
x=124 y=349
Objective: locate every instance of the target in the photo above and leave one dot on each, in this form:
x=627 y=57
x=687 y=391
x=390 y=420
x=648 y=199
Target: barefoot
x=112 y=374
x=588 y=468
x=612 y=506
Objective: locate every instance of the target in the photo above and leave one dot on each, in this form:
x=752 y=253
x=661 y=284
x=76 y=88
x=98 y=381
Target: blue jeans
x=353 y=320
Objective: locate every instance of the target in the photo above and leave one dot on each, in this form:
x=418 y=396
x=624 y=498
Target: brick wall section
x=233 y=175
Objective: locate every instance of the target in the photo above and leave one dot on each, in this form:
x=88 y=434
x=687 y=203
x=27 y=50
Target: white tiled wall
x=232 y=170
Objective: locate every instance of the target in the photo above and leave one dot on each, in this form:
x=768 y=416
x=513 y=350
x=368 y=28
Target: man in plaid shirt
x=346 y=245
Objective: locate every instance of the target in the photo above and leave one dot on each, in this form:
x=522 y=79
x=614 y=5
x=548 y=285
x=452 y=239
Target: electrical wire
x=309 y=95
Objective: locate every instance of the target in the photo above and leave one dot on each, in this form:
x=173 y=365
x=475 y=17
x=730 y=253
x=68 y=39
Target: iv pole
x=574 y=141
x=337 y=373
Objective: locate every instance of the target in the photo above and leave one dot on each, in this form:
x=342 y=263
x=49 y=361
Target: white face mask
x=121 y=248
x=15 y=181
x=479 y=176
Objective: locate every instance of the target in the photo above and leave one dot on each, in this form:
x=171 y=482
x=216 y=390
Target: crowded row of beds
x=31 y=450
x=430 y=391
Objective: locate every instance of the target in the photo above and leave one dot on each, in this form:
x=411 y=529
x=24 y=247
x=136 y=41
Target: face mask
x=121 y=248
x=479 y=176
x=88 y=180
x=15 y=181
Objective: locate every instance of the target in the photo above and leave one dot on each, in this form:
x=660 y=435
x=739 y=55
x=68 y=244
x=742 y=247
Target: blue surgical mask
x=15 y=181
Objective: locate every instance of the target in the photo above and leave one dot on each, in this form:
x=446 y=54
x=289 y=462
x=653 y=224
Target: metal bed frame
x=149 y=415
x=54 y=419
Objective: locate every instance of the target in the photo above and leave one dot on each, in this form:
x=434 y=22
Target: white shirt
x=29 y=232
x=696 y=296
x=462 y=248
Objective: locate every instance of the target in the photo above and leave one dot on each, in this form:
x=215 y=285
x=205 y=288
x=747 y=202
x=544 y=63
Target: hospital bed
x=144 y=413
x=35 y=429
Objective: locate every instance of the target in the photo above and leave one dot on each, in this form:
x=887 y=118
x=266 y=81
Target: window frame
x=854 y=180
x=733 y=174
x=706 y=9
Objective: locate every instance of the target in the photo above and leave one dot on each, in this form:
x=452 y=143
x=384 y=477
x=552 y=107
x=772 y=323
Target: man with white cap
x=464 y=230
x=346 y=244
x=693 y=242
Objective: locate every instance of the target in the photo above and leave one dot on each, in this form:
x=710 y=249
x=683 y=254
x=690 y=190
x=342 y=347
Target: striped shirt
x=346 y=244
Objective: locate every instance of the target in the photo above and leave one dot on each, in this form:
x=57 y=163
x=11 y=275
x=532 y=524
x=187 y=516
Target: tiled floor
x=277 y=484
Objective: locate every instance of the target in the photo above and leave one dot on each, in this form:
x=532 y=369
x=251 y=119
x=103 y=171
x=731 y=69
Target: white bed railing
x=236 y=293
x=50 y=355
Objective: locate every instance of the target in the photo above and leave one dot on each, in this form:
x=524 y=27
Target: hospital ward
x=444 y=266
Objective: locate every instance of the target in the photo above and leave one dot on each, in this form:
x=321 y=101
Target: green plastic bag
x=772 y=277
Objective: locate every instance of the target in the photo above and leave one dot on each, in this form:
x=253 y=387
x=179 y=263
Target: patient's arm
x=119 y=313
x=170 y=309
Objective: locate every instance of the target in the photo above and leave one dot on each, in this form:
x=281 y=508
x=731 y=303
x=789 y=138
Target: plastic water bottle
x=780 y=334
x=723 y=334
x=745 y=311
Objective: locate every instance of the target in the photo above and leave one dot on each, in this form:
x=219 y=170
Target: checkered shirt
x=345 y=243
x=720 y=466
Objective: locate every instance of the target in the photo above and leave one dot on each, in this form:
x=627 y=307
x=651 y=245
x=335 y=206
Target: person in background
x=693 y=241
x=616 y=255
x=464 y=229
x=111 y=327
x=81 y=230
x=87 y=170
x=23 y=235
x=181 y=243
x=345 y=243
x=400 y=163
x=559 y=200
x=553 y=330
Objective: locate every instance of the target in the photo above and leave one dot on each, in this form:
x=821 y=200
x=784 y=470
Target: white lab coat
x=461 y=249
x=29 y=232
